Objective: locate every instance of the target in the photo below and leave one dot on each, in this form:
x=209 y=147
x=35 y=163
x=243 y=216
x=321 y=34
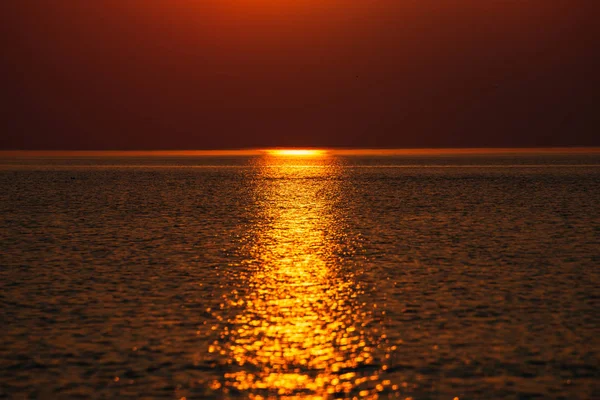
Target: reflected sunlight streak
x=302 y=332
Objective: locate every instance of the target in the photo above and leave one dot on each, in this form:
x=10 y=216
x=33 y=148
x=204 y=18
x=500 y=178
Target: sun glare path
x=301 y=332
x=296 y=152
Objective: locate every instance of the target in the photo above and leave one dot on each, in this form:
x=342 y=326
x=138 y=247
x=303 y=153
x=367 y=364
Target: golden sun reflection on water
x=302 y=333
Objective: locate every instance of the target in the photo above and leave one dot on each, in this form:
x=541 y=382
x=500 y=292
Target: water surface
x=430 y=276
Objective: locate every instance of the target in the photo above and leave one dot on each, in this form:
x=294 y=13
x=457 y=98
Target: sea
x=435 y=274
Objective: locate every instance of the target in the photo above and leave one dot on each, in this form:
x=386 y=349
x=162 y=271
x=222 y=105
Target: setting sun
x=296 y=152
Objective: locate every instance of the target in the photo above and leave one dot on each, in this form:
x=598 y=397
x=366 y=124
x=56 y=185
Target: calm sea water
x=431 y=277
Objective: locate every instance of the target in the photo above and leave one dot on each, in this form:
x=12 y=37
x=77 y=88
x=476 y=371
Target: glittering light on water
x=302 y=331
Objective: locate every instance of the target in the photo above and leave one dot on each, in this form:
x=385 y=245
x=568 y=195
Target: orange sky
x=188 y=74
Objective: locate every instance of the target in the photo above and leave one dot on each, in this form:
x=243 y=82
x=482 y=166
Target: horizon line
x=326 y=150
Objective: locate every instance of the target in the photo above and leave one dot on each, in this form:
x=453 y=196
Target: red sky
x=202 y=74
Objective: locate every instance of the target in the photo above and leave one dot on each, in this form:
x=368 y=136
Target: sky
x=224 y=74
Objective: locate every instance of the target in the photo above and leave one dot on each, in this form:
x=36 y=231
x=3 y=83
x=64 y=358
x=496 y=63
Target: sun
x=296 y=152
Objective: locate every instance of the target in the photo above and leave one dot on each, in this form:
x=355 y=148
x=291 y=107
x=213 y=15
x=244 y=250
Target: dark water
x=300 y=277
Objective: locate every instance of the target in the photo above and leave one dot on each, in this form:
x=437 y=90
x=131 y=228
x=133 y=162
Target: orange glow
x=296 y=152
x=303 y=152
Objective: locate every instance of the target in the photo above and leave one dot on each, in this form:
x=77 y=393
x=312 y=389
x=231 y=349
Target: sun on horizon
x=296 y=152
